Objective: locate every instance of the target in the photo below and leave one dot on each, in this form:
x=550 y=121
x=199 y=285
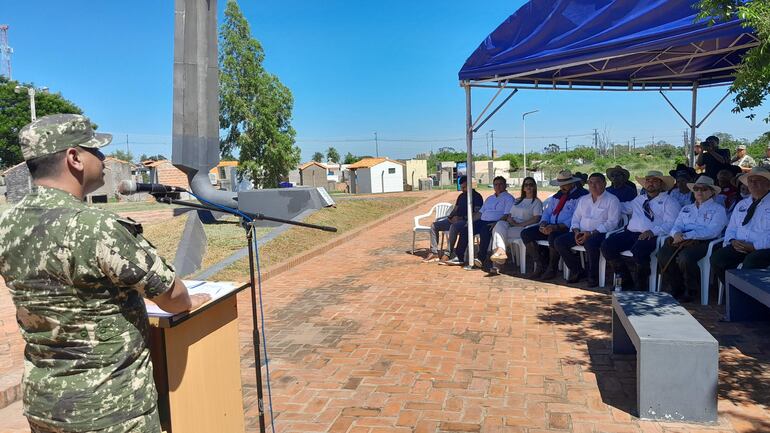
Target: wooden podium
x=196 y=363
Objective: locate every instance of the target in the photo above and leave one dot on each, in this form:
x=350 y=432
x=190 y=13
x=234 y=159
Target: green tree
x=350 y=158
x=318 y=157
x=255 y=108
x=332 y=155
x=752 y=81
x=14 y=114
x=123 y=156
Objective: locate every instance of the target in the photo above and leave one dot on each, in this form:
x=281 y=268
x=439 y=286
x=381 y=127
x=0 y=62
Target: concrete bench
x=677 y=360
x=748 y=294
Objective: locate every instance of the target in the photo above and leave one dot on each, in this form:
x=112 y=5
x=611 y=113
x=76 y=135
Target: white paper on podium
x=215 y=289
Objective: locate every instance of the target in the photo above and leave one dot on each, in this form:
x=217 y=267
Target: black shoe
x=575 y=277
x=592 y=283
x=548 y=275
x=535 y=274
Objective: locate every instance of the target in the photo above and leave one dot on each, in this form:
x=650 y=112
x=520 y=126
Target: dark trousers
x=683 y=274
x=543 y=257
x=727 y=258
x=566 y=241
x=640 y=249
x=484 y=230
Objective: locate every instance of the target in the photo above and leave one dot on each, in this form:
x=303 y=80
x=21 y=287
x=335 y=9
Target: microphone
x=128 y=187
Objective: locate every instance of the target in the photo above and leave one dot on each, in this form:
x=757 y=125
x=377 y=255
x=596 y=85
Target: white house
x=414 y=170
x=376 y=175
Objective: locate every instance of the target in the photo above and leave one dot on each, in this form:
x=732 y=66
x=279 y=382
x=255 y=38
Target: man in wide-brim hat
x=697 y=224
x=747 y=237
x=652 y=215
x=681 y=193
x=556 y=219
x=620 y=185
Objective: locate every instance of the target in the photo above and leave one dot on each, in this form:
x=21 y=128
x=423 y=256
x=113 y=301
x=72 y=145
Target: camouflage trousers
x=147 y=423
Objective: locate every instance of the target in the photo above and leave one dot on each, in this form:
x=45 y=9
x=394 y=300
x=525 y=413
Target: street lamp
x=524 y=121
x=31 y=92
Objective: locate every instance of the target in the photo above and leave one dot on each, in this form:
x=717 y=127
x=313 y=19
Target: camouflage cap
x=50 y=134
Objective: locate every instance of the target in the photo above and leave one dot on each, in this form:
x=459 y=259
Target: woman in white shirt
x=526 y=210
x=696 y=225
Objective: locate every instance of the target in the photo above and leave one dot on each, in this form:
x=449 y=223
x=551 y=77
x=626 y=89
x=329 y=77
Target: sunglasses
x=93 y=151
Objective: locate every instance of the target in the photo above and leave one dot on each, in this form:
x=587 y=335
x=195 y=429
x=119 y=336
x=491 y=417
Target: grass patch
x=133 y=206
x=224 y=238
x=347 y=216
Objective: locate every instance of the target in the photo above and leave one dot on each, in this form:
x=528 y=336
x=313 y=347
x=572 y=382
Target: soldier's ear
x=74 y=160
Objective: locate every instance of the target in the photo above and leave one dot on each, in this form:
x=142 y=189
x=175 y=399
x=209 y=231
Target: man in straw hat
x=620 y=185
x=556 y=220
x=78 y=289
x=747 y=237
x=652 y=215
x=697 y=224
x=743 y=159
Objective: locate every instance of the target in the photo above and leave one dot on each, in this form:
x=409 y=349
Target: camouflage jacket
x=77 y=275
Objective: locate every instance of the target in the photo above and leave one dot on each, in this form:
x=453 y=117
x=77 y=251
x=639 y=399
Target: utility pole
x=596 y=139
x=487 y=137
x=566 y=146
x=128 y=152
x=634 y=143
x=652 y=141
x=376 y=146
x=5 y=52
x=492 y=133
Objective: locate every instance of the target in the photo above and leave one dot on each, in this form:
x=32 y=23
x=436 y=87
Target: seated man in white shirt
x=595 y=215
x=652 y=215
x=747 y=237
x=495 y=208
x=697 y=224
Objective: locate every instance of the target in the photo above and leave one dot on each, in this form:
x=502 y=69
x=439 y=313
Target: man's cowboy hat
x=705 y=181
x=620 y=169
x=756 y=171
x=565 y=177
x=682 y=170
x=668 y=181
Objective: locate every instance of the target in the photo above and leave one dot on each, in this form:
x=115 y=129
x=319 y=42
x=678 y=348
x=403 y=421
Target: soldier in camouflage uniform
x=77 y=275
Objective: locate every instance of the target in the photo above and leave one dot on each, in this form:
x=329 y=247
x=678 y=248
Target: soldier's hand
x=198 y=299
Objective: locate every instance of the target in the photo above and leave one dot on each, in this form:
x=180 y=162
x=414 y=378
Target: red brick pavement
x=366 y=338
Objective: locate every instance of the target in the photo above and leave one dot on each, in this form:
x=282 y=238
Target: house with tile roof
x=376 y=175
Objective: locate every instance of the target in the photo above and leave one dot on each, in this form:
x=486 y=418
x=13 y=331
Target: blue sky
x=354 y=67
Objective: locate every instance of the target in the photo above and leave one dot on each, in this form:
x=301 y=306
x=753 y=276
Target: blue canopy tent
x=611 y=45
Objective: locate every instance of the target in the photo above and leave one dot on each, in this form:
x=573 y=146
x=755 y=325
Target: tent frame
x=675 y=81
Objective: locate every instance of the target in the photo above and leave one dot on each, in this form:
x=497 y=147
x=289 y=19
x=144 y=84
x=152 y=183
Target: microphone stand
x=163 y=198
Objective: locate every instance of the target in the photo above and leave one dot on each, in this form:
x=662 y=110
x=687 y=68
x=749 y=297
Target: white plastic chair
x=705 y=273
x=602 y=261
x=519 y=251
x=653 y=287
x=440 y=209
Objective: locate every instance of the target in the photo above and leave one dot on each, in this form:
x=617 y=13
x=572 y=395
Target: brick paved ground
x=366 y=338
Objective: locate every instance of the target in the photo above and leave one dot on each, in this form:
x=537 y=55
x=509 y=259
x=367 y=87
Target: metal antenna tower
x=5 y=52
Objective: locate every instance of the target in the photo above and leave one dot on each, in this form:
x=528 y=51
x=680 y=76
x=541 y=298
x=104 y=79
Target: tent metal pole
x=469 y=173
x=693 y=124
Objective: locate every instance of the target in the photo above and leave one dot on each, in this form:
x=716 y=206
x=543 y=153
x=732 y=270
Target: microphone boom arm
x=162 y=198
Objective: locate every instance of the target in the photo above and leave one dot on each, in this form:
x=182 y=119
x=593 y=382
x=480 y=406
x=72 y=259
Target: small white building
x=376 y=175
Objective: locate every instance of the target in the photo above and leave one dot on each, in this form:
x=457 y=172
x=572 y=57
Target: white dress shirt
x=701 y=223
x=664 y=209
x=757 y=231
x=496 y=206
x=601 y=215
